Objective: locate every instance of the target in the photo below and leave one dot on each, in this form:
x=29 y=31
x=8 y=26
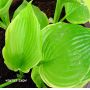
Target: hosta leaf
x=87 y=4
x=22 y=48
x=36 y=77
x=41 y=16
x=71 y=1
x=66 y=57
x=20 y=8
x=87 y=77
x=77 y=13
x=2 y=25
x=4 y=12
x=3 y=3
x=4 y=6
x=59 y=6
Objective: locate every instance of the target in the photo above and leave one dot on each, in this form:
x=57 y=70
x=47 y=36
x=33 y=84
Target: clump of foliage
x=57 y=53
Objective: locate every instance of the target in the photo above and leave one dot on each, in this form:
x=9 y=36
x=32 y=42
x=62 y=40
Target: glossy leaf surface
x=66 y=57
x=22 y=48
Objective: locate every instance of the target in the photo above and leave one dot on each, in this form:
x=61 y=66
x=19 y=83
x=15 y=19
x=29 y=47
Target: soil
x=47 y=6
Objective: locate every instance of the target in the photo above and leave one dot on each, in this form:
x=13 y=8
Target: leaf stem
x=8 y=83
x=63 y=18
x=59 y=6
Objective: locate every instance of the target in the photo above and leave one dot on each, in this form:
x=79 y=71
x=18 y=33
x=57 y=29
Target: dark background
x=47 y=6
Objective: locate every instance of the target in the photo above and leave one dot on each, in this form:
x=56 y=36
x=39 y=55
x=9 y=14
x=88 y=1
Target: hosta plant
x=57 y=53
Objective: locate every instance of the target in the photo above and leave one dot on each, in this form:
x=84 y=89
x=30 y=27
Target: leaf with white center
x=66 y=55
x=22 y=49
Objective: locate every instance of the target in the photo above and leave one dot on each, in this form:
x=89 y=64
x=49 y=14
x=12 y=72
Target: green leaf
x=4 y=12
x=41 y=16
x=36 y=77
x=77 y=13
x=2 y=25
x=71 y=1
x=59 y=6
x=87 y=77
x=20 y=8
x=23 y=46
x=3 y=3
x=66 y=57
x=87 y=4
